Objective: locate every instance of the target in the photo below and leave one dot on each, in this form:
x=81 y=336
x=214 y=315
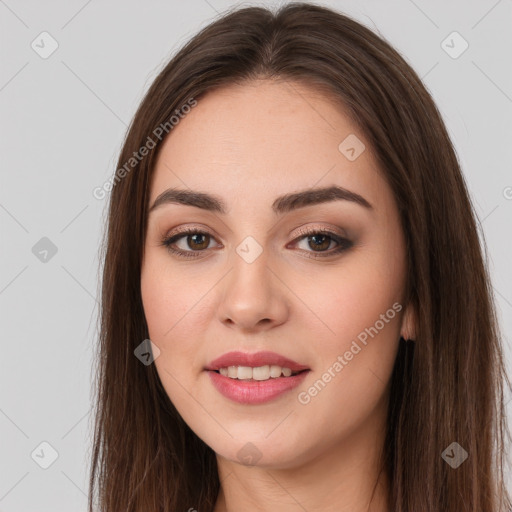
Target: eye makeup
x=317 y=238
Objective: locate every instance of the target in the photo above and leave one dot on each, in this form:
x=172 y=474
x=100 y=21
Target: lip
x=253 y=392
x=256 y=359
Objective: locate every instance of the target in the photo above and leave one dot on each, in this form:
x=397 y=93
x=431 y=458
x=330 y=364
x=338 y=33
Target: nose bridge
x=250 y=279
x=251 y=293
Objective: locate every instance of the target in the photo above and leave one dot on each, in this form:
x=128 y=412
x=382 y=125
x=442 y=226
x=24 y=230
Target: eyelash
x=344 y=243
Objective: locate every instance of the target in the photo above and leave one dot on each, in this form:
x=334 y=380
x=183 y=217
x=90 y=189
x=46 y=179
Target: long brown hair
x=446 y=387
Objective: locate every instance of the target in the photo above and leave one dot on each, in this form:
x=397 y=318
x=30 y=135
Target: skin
x=249 y=144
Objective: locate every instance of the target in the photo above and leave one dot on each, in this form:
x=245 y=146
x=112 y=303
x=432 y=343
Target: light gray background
x=63 y=120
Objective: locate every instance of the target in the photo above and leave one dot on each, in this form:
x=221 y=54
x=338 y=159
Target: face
x=317 y=281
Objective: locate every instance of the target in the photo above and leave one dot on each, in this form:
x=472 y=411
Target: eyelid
x=341 y=239
x=340 y=233
x=171 y=238
x=301 y=231
x=187 y=229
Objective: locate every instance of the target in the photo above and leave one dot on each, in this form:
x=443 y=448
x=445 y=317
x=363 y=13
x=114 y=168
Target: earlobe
x=408 y=325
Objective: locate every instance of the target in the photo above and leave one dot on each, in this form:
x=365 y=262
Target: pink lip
x=252 y=391
x=254 y=360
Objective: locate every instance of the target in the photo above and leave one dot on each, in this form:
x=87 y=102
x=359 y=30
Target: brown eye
x=194 y=242
x=319 y=240
x=191 y=242
x=198 y=241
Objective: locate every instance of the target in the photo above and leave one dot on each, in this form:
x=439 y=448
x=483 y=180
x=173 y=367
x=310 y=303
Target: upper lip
x=254 y=360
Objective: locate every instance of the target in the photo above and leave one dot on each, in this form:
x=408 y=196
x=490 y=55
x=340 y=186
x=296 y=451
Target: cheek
x=176 y=319
x=169 y=296
x=352 y=297
x=355 y=358
x=360 y=309
x=363 y=330
x=178 y=309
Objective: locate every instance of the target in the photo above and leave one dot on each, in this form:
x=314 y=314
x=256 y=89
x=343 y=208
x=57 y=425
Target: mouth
x=255 y=378
x=262 y=364
x=257 y=374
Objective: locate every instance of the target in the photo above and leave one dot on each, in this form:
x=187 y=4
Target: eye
x=199 y=241
x=319 y=240
x=195 y=239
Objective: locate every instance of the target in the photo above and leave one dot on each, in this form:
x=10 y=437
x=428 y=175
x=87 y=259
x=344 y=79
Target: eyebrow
x=282 y=204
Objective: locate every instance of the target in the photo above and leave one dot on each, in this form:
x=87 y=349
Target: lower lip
x=255 y=392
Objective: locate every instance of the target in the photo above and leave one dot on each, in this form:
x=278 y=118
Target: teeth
x=287 y=372
x=259 y=373
x=275 y=371
x=244 y=372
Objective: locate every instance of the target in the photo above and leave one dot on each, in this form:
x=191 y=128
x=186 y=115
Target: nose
x=252 y=296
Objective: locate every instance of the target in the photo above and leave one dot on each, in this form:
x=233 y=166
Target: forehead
x=256 y=141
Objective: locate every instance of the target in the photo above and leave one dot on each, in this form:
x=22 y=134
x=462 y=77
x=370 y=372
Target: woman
x=295 y=307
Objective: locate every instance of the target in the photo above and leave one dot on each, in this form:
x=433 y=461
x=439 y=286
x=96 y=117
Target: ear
x=409 y=322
